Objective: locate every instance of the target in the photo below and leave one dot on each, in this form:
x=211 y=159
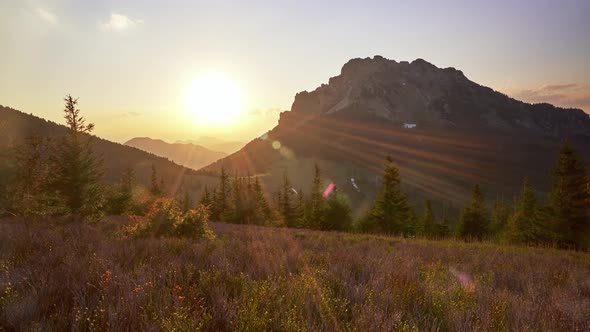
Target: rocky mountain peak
x=420 y=92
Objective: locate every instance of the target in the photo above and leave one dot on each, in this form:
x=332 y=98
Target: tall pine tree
x=524 y=225
x=474 y=220
x=391 y=212
x=569 y=199
x=317 y=203
x=76 y=171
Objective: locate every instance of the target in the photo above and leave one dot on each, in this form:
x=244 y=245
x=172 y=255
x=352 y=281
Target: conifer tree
x=569 y=199
x=317 y=202
x=286 y=204
x=29 y=192
x=391 y=212
x=120 y=199
x=474 y=221
x=524 y=225
x=77 y=172
x=220 y=202
x=499 y=221
x=155 y=189
x=206 y=198
x=443 y=228
x=338 y=214
x=427 y=226
x=262 y=210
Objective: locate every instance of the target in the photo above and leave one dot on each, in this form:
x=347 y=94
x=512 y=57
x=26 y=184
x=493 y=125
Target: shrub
x=165 y=218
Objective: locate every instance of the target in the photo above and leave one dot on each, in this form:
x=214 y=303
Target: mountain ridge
x=458 y=133
x=186 y=154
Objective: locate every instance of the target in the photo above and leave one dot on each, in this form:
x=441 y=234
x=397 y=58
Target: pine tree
x=155 y=189
x=77 y=172
x=391 y=212
x=262 y=211
x=338 y=214
x=29 y=192
x=120 y=200
x=474 y=221
x=500 y=216
x=206 y=198
x=427 y=226
x=524 y=225
x=317 y=203
x=569 y=199
x=220 y=204
x=286 y=204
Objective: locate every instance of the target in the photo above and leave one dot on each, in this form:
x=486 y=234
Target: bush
x=165 y=218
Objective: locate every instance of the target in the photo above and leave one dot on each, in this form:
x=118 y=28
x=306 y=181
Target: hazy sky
x=130 y=62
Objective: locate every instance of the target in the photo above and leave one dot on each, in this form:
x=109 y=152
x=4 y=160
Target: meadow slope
x=60 y=275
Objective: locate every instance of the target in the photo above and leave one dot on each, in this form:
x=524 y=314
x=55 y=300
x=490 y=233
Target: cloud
x=565 y=95
x=46 y=15
x=118 y=22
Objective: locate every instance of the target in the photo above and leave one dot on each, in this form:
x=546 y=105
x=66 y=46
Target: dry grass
x=60 y=276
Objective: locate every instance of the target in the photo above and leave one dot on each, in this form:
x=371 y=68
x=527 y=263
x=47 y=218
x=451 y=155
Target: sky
x=131 y=63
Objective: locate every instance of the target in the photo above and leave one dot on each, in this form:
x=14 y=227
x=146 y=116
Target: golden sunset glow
x=214 y=99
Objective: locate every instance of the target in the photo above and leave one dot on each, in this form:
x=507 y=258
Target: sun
x=214 y=99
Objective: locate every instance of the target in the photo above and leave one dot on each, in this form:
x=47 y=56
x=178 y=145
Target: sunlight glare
x=214 y=99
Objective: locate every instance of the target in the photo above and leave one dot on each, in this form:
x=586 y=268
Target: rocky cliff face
x=421 y=93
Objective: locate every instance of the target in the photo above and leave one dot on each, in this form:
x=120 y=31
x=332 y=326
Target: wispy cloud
x=567 y=95
x=118 y=22
x=46 y=15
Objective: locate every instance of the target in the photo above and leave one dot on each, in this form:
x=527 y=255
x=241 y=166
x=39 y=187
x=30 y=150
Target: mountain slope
x=15 y=126
x=189 y=155
x=445 y=132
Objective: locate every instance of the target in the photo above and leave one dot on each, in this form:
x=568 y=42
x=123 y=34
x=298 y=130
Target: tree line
x=63 y=177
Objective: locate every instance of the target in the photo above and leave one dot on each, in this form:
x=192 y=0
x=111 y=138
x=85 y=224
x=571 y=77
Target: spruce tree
x=524 y=223
x=286 y=204
x=206 y=198
x=338 y=214
x=77 y=172
x=29 y=192
x=155 y=188
x=499 y=221
x=427 y=225
x=220 y=204
x=262 y=211
x=120 y=200
x=569 y=199
x=317 y=203
x=391 y=212
x=474 y=222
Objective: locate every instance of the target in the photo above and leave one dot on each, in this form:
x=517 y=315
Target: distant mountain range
x=445 y=132
x=215 y=144
x=186 y=154
x=15 y=126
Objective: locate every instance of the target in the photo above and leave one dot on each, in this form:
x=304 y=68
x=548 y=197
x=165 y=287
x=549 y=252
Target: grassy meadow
x=63 y=275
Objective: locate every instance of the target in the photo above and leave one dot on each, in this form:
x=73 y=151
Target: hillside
x=269 y=279
x=16 y=126
x=445 y=132
x=186 y=154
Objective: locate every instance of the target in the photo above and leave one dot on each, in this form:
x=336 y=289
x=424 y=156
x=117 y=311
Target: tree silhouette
x=391 y=212
x=474 y=222
x=569 y=199
x=77 y=172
